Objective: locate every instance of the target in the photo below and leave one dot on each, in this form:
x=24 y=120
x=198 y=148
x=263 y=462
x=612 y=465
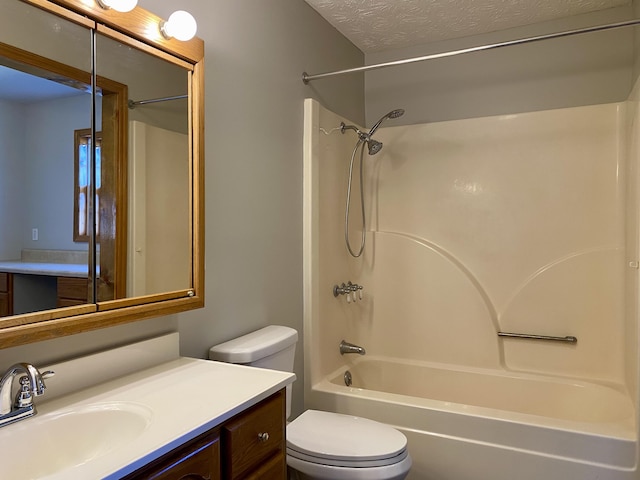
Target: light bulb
x=181 y=25
x=118 y=5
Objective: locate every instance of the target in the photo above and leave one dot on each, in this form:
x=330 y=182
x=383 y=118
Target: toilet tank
x=271 y=347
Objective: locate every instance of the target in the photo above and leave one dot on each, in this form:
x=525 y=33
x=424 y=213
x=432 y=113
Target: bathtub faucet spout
x=346 y=347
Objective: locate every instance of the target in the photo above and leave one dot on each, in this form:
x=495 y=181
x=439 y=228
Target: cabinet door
x=198 y=460
x=6 y=294
x=274 y=469
x=5 y=303
x=72 y=291
x=251 y=439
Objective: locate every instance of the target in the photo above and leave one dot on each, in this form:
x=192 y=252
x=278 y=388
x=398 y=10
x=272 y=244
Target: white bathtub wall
x=632 y=237
x=327 y=262
x=513 y=222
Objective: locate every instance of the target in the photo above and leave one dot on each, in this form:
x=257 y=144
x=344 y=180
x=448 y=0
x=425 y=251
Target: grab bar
x=567 y=339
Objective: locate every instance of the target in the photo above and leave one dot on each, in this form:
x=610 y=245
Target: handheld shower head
x=398 y=112
x=373 y=145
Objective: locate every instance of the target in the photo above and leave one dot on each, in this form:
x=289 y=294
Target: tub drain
x=347 y=378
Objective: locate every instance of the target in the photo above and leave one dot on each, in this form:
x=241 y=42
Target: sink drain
x=347 y=378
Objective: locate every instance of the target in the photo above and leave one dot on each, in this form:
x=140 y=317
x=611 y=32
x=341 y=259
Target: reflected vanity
x=101 y=169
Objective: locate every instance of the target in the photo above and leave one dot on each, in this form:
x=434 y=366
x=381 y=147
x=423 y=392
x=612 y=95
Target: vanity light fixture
x=181 y=25
x=118 y=5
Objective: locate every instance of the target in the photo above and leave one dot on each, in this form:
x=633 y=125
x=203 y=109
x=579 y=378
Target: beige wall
x=255 y=55
x=580 y=70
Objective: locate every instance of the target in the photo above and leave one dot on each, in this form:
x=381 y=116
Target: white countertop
x=186 y=397
x=40 y=268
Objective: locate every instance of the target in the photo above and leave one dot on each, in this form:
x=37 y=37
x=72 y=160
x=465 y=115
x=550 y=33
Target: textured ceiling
x=376 y=25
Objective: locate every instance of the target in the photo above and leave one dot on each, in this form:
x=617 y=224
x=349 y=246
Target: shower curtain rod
x=306 y=78
x=133 y=104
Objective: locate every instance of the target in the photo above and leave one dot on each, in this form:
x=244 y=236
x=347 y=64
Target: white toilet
x=321 y=445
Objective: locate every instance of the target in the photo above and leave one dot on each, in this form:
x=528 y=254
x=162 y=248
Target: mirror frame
x=137 y=28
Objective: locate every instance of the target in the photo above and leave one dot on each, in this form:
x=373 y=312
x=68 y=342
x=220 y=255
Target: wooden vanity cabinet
x=6 y=294
x=198 y=459
x=72 y=291
x=249 y=446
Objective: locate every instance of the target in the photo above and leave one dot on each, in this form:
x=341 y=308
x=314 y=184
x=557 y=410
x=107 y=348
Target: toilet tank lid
x=255 y=345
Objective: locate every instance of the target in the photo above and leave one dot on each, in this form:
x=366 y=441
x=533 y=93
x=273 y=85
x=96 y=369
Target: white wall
x=12 y=176
x=37 y=173
x=49 y=161
x=579 y=70
x=255 y=55
x=159 y=248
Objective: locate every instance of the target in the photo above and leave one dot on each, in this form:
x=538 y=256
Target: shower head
x=398 y=112
x=374 y=146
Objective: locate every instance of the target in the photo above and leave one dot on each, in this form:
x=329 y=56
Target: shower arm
x=361 y=135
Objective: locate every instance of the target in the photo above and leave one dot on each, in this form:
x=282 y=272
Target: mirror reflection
x=158 y=241
x=44 y=96
x=37 y=121
x=142 y=176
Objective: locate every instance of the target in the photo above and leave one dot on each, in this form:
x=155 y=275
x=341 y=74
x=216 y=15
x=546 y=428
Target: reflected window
x=82 y=170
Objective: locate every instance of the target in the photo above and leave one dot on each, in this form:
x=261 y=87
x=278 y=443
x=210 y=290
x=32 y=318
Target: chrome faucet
x=346 y=347
x=31 y=384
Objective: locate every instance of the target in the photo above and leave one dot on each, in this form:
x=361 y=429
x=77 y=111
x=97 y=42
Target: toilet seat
x=338 y=440
x=330 y=462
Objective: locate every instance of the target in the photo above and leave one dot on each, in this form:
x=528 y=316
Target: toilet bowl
x=327 y=445
x=321 y=445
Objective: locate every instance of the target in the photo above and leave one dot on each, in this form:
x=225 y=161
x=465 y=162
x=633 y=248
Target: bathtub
x=475 y=424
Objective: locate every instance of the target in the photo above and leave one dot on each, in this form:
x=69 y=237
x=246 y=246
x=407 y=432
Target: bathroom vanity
x=250 y=445
x=181 y=418
x=31 y=286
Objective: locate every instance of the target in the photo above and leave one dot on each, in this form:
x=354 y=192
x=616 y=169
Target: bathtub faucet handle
x=349 y=289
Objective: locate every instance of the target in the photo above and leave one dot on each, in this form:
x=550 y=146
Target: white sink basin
x=113 y=428
x=69 y=438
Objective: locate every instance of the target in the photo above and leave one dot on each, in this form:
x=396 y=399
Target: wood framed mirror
x=117 y=153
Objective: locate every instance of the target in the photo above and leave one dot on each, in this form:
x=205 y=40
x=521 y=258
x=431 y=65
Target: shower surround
x=521 y=223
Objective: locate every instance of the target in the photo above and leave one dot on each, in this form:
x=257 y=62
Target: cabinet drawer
x=254 y=436
x=71 y=288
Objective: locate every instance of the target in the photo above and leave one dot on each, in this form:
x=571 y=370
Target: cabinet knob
x=263 y=437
